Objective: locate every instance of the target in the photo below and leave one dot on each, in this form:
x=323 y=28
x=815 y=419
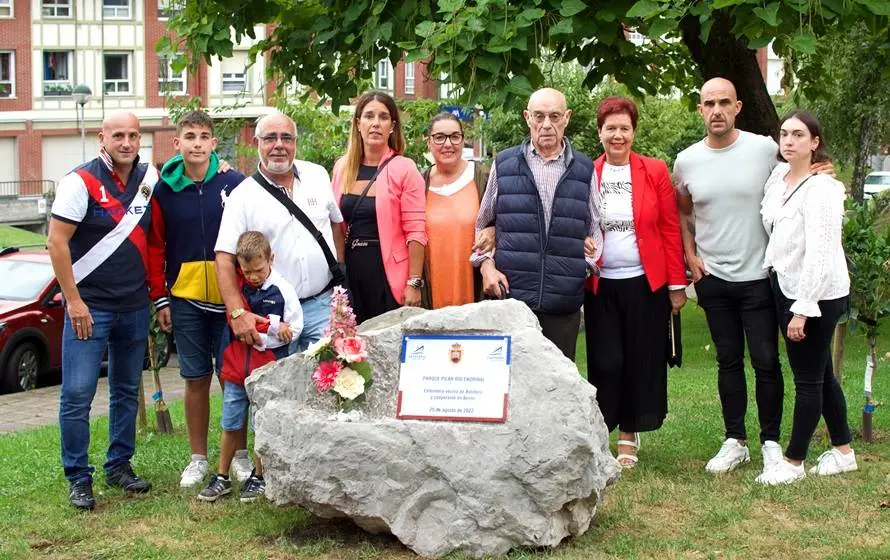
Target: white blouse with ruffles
x=805 y=240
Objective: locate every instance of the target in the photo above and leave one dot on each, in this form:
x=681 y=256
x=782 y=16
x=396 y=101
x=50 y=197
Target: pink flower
x=351 y=349
x=325 y=374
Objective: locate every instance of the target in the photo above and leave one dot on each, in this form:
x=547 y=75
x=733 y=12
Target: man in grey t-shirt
x=720 y=182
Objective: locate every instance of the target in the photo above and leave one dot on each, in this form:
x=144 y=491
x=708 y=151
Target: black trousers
x=369 y=290
x=816 y=391
x=562 y=330
x=736 y=312
x=626 y=328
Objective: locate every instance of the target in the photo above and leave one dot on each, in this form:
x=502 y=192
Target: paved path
x=40 y=407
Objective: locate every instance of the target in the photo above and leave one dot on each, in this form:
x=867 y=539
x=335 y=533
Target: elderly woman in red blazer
x=382 y=196
x=642 y=280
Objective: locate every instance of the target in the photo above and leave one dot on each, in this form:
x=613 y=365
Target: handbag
x=338 y=278
x=675 y=342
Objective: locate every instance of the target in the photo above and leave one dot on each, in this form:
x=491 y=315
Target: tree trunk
x=861 y=161
x=727 y=57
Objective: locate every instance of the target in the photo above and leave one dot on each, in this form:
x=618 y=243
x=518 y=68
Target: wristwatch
x=237 y=313
x=416 y=282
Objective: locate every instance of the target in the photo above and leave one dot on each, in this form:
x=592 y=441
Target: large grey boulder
x=441 y=486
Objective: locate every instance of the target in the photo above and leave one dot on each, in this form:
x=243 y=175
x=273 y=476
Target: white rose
x=349 y=384
x=316 y=347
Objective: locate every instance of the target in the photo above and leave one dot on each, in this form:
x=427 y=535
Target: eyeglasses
x=555 y=118
x=274 y=138
x=455 y=138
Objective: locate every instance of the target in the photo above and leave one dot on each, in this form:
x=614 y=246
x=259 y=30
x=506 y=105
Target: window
x=117 y=73
x=381 y=79
x=5 y=8
x=57 y=73
x=169 y=81
x=56 y=8
x=234 y=73
x=169 y=8
x=409 y=78
x=7 y=74
x=116 y=9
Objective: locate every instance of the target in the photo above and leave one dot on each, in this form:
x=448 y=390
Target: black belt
x=323 y=291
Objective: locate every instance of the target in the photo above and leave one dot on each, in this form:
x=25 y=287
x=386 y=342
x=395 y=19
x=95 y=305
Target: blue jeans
x=235 y=407
x=316 y=316
x=124 y=334
x=198 y=335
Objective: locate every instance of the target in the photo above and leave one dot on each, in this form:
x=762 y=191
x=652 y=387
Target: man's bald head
x=274 y=120
x=548 y=96
x=547 y=117
x=118 y=119
x=719 y=106
x=719 y=85
x=120 y=137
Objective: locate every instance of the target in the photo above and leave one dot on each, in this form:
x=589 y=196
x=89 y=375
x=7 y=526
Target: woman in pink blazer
x=381 y=195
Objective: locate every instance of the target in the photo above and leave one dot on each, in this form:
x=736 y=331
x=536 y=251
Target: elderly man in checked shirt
x=541 y=200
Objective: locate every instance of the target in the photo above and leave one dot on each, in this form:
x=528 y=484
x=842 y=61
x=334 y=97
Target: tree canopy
x=493 y=48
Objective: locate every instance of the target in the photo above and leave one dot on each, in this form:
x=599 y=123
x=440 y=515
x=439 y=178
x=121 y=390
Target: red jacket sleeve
x=157 y=257
x=669 y=225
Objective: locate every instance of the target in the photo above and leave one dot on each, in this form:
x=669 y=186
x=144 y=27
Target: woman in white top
x=642 y=280
x=803 y=213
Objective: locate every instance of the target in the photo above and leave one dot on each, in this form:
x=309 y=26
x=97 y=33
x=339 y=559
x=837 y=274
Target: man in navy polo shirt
x=98 y=246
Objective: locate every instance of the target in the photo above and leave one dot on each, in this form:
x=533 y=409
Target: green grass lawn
x=11 y=236
x=667 y=508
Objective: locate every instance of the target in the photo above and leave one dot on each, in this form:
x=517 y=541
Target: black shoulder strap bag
x=364 y=194
x=338 y=277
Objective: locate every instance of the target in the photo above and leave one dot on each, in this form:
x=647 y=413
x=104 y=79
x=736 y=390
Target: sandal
x=626 y=460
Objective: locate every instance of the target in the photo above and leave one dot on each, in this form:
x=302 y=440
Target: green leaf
x=529 y=16
x=449 y=6
x=877 y=7
x=720 y=4
x=353 y=12
x=224 y=49
x=425 y=28
x=706 y=30
x=363 y=369
x=384 y=31
x=643 y=9
x=769 y=14
x=563 y=27
x=606 y=14
x=490 y=63
x=519 y=85
x=755 y=43
x=804 y=42
x=661 y=27
x=569 y=8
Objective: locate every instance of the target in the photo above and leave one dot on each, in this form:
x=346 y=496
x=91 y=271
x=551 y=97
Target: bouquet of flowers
x=341 y=356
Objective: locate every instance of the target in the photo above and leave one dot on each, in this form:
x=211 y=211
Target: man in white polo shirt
x=298 y=256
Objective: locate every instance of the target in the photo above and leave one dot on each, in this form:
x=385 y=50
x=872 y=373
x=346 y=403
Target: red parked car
x=31 y=319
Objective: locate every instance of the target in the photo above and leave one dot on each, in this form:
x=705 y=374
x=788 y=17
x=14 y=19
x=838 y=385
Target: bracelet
x=799 y=316
x=416 y=282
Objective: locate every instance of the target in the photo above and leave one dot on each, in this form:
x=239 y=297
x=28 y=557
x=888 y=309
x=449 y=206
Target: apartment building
x=50 y=47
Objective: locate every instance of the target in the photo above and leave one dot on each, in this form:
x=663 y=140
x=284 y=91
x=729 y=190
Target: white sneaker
x=731 y=455
x=241 y=466
x=782 y=472
x=835 y=462
x=195 y=472
x=772 y=454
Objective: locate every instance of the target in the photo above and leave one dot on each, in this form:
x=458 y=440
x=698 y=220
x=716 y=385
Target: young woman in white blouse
x=803 y=213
